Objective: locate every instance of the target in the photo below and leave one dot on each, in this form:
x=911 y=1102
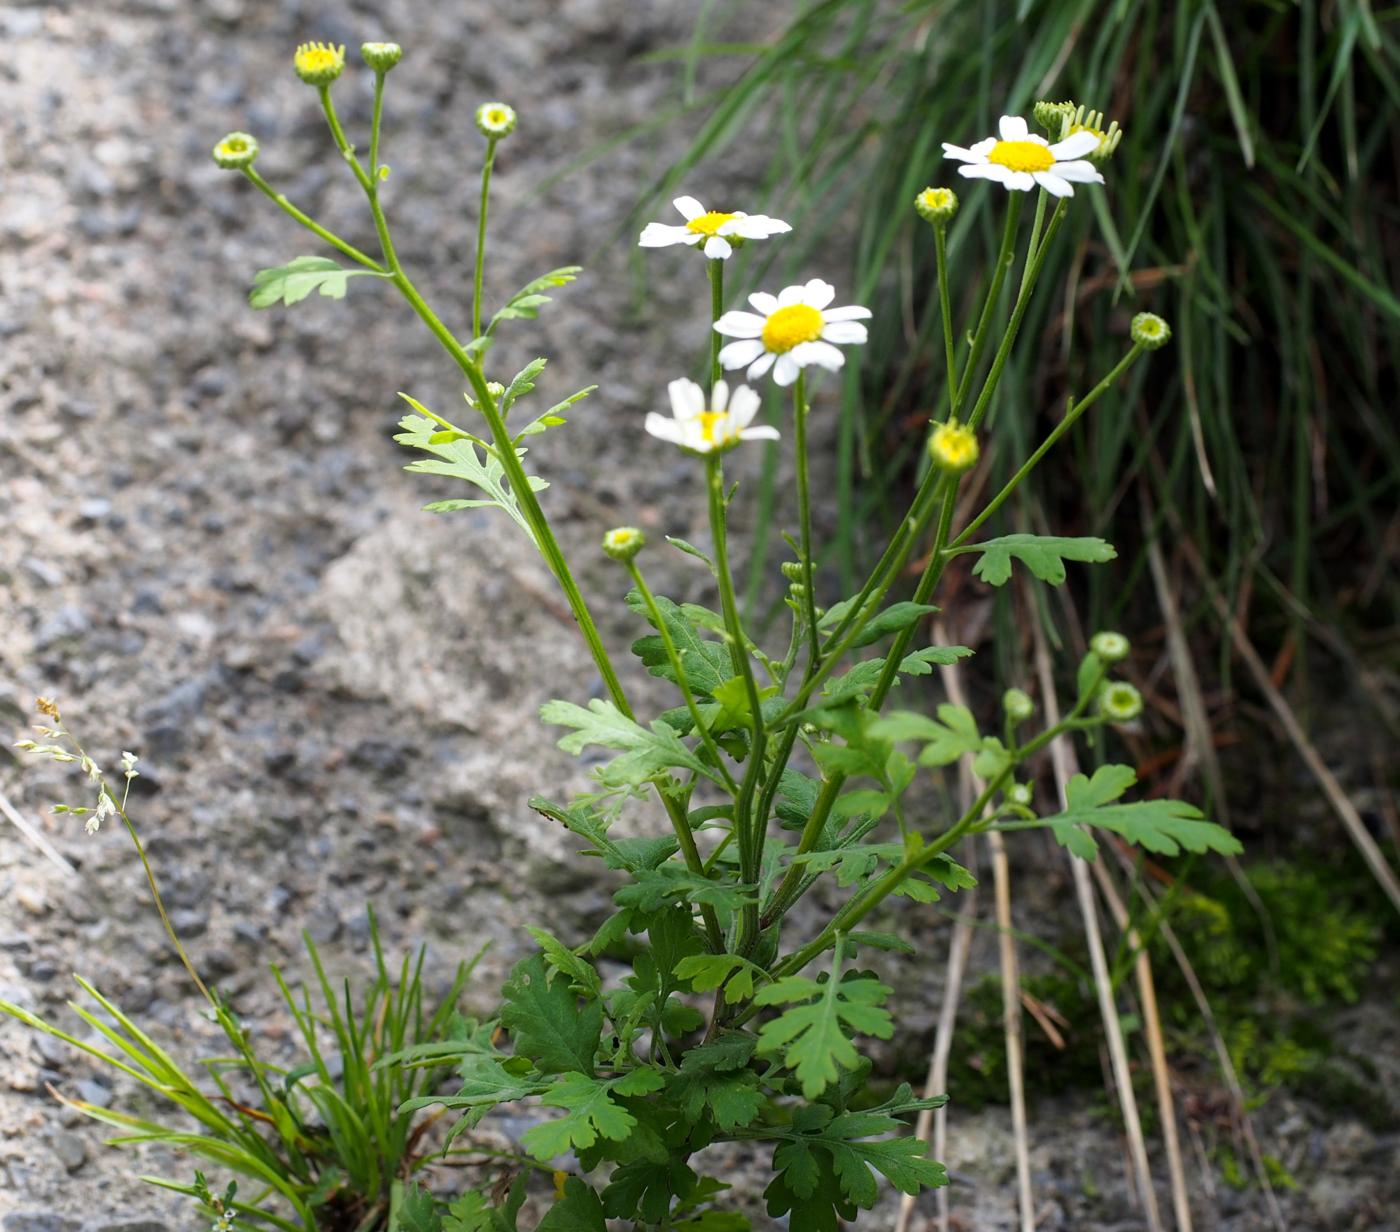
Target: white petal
x=719 y=396
x=687 y=398
x=660 y=235
x=960 y=153
x=1052 y=184
x=760 y=365
x=1076 y=145
x=718 y=248
x=689 y=207
x=664 y=429
x=739 y=353
x=984 y=147
x=754 y=226
x=736 y=324
x=844 y=332
x=761 y=433
x=1013 y=128
x=1080 y=172
x=786 y=369
x=1022 y=180
x=985 y=171
x=851 y=312
x=791 y=295
x=818 y=294
x=743 y=407
x=764 y=303
x=821 y=353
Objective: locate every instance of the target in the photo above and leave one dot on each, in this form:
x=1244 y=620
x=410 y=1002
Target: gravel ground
x=213 y=558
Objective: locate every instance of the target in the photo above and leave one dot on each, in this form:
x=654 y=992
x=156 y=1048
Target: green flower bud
x=495 y=120
x=236 y=152
x=1110 y=647
x=1052 y=117
x=1150 y=332
x=937 y=205
x=953 y=447
x=319 y=64
x=792 y=570
x=1120 y=702
x=381 y=57
x=1020 y=794
x=623 y=543
x=1017 y=704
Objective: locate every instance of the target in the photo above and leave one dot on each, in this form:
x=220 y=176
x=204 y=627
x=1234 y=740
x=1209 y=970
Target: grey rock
x=40 y=1221
x=68 y=623
x=71 y=1149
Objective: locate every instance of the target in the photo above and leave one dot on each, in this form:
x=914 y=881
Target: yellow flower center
x=708 y=422
x=496 y=117
x=316 y=58
x=1022 y=156
x=789 y=326
x=937 y=198
x=234 y=145
x=709 y=223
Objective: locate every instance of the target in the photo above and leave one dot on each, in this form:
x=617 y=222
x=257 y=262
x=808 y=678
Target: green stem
x=989 y=305
x=940 y=250
x=1035 y=237
x=1034 y=262
x=1049 y=443
x=281 y=202
x=673 y=656
x=716 y=311
x=750 y=842
x=481 y=236
x=804 y=512
x=338 y=135
x=375 y=117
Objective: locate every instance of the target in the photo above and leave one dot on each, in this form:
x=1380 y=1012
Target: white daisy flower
x=789 y=331
x=716 y=229
x=701 y=429
x=1022 y=159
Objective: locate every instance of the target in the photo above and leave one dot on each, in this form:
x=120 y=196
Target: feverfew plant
x=776 y=769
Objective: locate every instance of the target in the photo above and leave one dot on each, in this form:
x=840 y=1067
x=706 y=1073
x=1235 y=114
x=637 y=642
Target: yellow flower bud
x=319 y=64
x=236 y=152
x=623 y=543
x=953 y=447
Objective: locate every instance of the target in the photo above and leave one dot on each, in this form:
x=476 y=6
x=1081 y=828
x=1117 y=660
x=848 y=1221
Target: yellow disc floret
x=319 y=64
x=709 y=222
x=709 y=420
x=1022 y=155
x=953 y=447
x=791 y=326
